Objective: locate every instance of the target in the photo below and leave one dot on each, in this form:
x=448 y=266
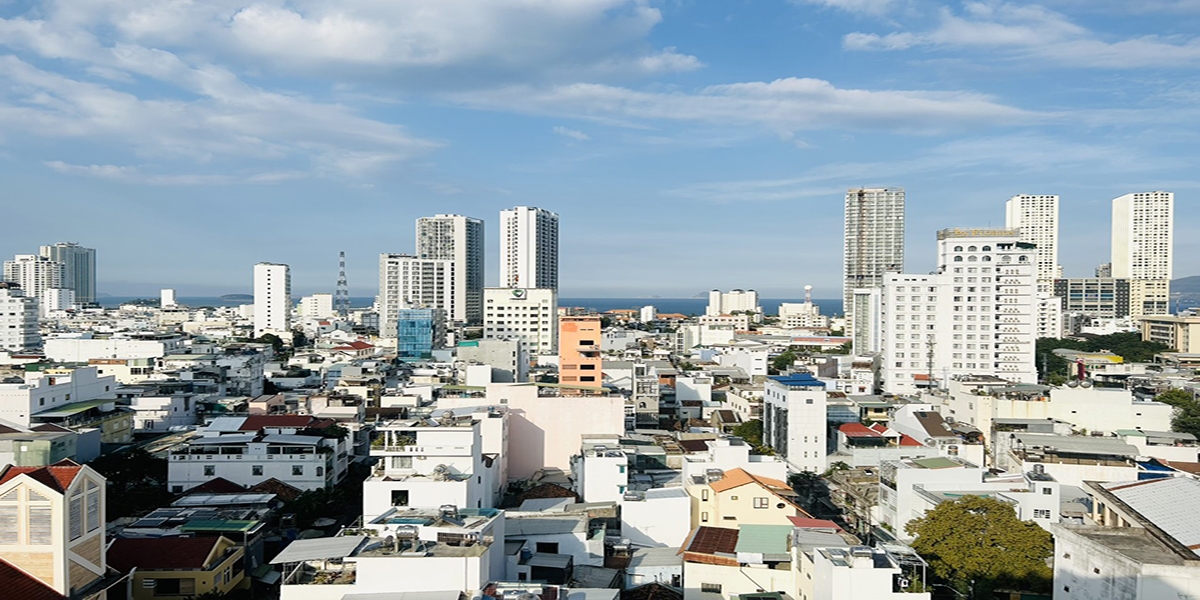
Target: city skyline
x=662 y=134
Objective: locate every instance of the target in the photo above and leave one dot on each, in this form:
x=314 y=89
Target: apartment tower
x=874 y=241
x=406 y=281
x=35 y=274
x=272 y=299
x=459 y=239
x=79 y=268
x=579 y=362
x=1036 y=219
x=1142 y=252
x=528 y=248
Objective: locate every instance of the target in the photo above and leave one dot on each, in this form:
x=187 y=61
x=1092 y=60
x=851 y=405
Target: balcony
x=421 y=450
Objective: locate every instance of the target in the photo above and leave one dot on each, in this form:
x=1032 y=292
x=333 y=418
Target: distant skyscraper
x=1036 y=216
x=272 y=299
x=528 y=248
x=1142 y=249
x=407 y=281
x=459 y=239
x=874 y=240
x=35 y=274
x=79 y=269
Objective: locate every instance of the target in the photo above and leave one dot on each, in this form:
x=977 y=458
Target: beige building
x=741 y=498
x=1179 y=332
x=52 y=530
x=186 y=567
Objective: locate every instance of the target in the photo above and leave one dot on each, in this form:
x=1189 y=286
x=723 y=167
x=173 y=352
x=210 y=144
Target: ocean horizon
x=686 y=306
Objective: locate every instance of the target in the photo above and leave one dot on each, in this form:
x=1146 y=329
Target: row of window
x=257 y=470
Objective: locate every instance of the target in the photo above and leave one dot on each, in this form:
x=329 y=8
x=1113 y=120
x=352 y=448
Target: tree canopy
x=784 y=361
x=978 y=544
x=1128 y=345
x=1186 y=418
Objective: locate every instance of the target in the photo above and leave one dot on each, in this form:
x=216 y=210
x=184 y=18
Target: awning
x=73 y=409
x=319 y=549
x=551 y=561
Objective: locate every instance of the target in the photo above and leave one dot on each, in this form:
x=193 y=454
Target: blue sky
x=686 y=145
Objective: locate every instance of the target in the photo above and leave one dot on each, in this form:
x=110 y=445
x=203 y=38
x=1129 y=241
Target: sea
x=685 y=306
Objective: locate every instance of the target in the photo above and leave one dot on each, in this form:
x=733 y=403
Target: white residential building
x=316 y=306
x=529 y=248
x=977 y=315
x=167 y=298
x=656 y=518
x=406 y=281
x=52 y=390
x=84 y=349
x=55 y=299
x=725 y=303
x=35 y=274
x=1035 y=217
x=1143 y=249
x=601 y=469
x=448 y=459
x=272 y=299
x=794 y=420
x=250 y=450
x=459 y=239
x=860 y=572
x=18 y=319
x=874 y=241
x=901 y=482
x=153 y=414
x=508 y=360
x=79 y=268
x=867 y=328
x=527 y=314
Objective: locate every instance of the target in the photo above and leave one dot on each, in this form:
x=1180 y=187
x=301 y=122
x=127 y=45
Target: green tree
x=1186 y=417
x=978 y=544
x=137 y=482
x=784 y=361
x=752 y=432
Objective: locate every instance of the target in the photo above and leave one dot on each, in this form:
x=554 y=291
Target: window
x=8 y=523
x=298 y=470
x=704 y=495
x=40 y=525
x=93 y=507
x=703 y=517
x=175 y=587
x=546 y=547
x=402 y=462
x=762 y=503
x=1041 y=513
x=75 y=516
x=256 y=470
x=1047 y=490
x=399 y=497
x=210 y=470
x=710 y=588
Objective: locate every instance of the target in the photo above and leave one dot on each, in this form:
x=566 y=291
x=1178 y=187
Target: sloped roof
x=282 y=490
x=858 y=430
x=217 y=485
x=711 y=540
x=1159 y=501
x=57 y=476
x=908 y=440
x=258 y=422
x=806 y=523
x=739 y=477
x=160 y=553
x=19 y=584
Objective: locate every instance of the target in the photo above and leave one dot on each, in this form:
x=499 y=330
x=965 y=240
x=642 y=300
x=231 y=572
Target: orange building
x=579 y=361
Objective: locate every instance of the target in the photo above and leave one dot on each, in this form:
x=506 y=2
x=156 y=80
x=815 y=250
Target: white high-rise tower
x=35 y=274
x=1142 y=249
x=874 y=241
x=1036 y=218
x=79 y=269
x=272 y=299
x=460 y=239
x=528 y=248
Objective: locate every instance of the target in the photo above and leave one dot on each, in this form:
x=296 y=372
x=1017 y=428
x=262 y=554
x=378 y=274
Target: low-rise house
x=186 y=567
x=656 y=518
x=721 y=563
x=36 y=446
x=737 y=498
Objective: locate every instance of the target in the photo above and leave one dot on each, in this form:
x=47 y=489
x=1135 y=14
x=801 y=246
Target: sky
x=686 y=145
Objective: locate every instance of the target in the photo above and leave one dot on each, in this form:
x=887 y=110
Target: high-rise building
x=529 y=248
x=272 y=299
x=18 y=319
x=527 y=314
x=724 y=303
x=977 y=315
x=406 y=281
x=419 y=331
x=79 y=269
x=1035 y=217
x=460 y=239
x=35 y=274
x=874 y=241
x=579 y=362
x=795 y=422
x=1142 y=249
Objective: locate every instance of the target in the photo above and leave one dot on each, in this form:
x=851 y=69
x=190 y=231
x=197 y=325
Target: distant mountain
x=238 y=298
x=1186 y=286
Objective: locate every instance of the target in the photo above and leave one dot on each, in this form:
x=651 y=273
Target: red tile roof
x=805 y=523
x=57 y=476
x=219 y=485
x=710 y=540
x=907 y=440
x=283 y=491
x=160 y=553
x=355 y=345
x=258 y=422
x=19 y=584
x=858 y=430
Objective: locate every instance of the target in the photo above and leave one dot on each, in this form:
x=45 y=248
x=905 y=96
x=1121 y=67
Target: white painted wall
x=661 y=520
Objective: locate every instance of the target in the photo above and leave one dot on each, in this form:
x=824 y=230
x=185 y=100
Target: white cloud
x=571 y=133
x=781 y=105
x=1032 y=32
x=129 y=174
x=227 y=121
x=870 y=7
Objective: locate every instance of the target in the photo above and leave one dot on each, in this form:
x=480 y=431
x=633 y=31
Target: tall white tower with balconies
x=874 y=241
x=272 y=299
x=528 y=248
x=1143 y=249
x=1036 y=219
x=459 y=239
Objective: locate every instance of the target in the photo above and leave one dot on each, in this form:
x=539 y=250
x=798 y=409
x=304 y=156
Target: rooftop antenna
x=341 y=296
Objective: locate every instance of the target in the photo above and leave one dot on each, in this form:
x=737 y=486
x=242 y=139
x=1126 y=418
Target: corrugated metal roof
x=763 y=539
x=935 y=462
x=1160 y=501
x=319 y=549
x=293 y=440
x=539 y=526
x=552 y=561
